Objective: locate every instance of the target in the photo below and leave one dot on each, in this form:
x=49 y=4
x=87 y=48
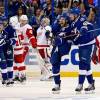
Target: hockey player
x=61 y=47
x=86 y=43
x=25 y=37
x=98 y=48
x=42 y=45
x=18 y=49
x=7 y=40
x=96 y=55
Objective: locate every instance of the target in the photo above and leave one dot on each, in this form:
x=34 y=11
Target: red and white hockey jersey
x=98 y=47
x=24 y=39
x=29 y=38
x=96 y=55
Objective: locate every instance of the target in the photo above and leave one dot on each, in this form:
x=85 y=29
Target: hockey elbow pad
x=33 y=42
x=98 y=49
x=31 y=37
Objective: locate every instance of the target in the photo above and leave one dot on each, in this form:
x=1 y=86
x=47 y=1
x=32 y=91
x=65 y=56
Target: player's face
x=1 y=27
x=72 y=17
x=23 y=22
x=62 y=21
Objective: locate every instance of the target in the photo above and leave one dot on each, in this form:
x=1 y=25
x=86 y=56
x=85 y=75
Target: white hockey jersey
x=41 y=37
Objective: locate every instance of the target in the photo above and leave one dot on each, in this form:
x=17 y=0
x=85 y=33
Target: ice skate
x=79 y=88
x=22 y=78
x=56 y=89
x=6 y=83
x=90 y=88
x=16 y=78
x=11 y=81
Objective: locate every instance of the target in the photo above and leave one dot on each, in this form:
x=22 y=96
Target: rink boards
x=69 y=63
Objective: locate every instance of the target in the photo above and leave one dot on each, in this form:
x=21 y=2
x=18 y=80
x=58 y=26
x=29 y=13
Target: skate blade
x=90 y=92
x=23 y=83
x=56 y=92
x=78 y=92
x=5 y=85
x=10 y=85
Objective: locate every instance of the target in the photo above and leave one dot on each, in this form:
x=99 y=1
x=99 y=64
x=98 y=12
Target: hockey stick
x=98 y=29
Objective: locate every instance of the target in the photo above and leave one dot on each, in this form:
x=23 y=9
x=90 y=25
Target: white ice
x=34 y=89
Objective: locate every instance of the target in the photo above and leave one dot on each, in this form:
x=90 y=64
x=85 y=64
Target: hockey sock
x=22 y=70
x=57 y=79
x=15 y=68
x=90 y=79
x=10 y=74
x=4 y=76
x=81 y=79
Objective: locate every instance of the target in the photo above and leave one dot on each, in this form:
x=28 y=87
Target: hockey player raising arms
x=86 y=43
x=61 y=47
x=7 y=40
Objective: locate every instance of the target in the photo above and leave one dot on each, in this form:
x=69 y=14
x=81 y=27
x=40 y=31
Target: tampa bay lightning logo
x=9 y=52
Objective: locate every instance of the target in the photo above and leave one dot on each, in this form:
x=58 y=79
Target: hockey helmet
x=45 y=21
x=24 y=17
x=75 y=11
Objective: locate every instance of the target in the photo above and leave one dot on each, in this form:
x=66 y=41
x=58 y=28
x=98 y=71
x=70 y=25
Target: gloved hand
x=58 y=41
x=62 y=34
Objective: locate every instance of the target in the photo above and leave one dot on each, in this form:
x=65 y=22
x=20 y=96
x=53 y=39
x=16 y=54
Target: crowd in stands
x=37 y=9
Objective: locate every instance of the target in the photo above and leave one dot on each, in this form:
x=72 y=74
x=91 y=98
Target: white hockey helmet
x=24 y=17
x=13 y=21
x=45 y=21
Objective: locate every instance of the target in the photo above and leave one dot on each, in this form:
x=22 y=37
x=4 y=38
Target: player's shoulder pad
x=28 y=26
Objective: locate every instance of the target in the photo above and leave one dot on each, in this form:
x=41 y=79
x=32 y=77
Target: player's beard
x=1 y=29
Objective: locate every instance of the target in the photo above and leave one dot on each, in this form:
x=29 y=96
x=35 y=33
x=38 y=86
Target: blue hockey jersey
x=61 y=35
x=10 y=35
x=83 y=27
x=2 y=39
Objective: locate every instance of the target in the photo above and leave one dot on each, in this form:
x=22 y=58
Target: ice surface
x=34 y=89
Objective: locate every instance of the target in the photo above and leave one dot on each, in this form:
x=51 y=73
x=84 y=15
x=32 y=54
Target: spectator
x=35 y=19
x=20 y=3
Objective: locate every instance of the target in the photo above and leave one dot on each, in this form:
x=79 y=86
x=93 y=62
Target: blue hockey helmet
x=4 y=20
x=75 y=11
